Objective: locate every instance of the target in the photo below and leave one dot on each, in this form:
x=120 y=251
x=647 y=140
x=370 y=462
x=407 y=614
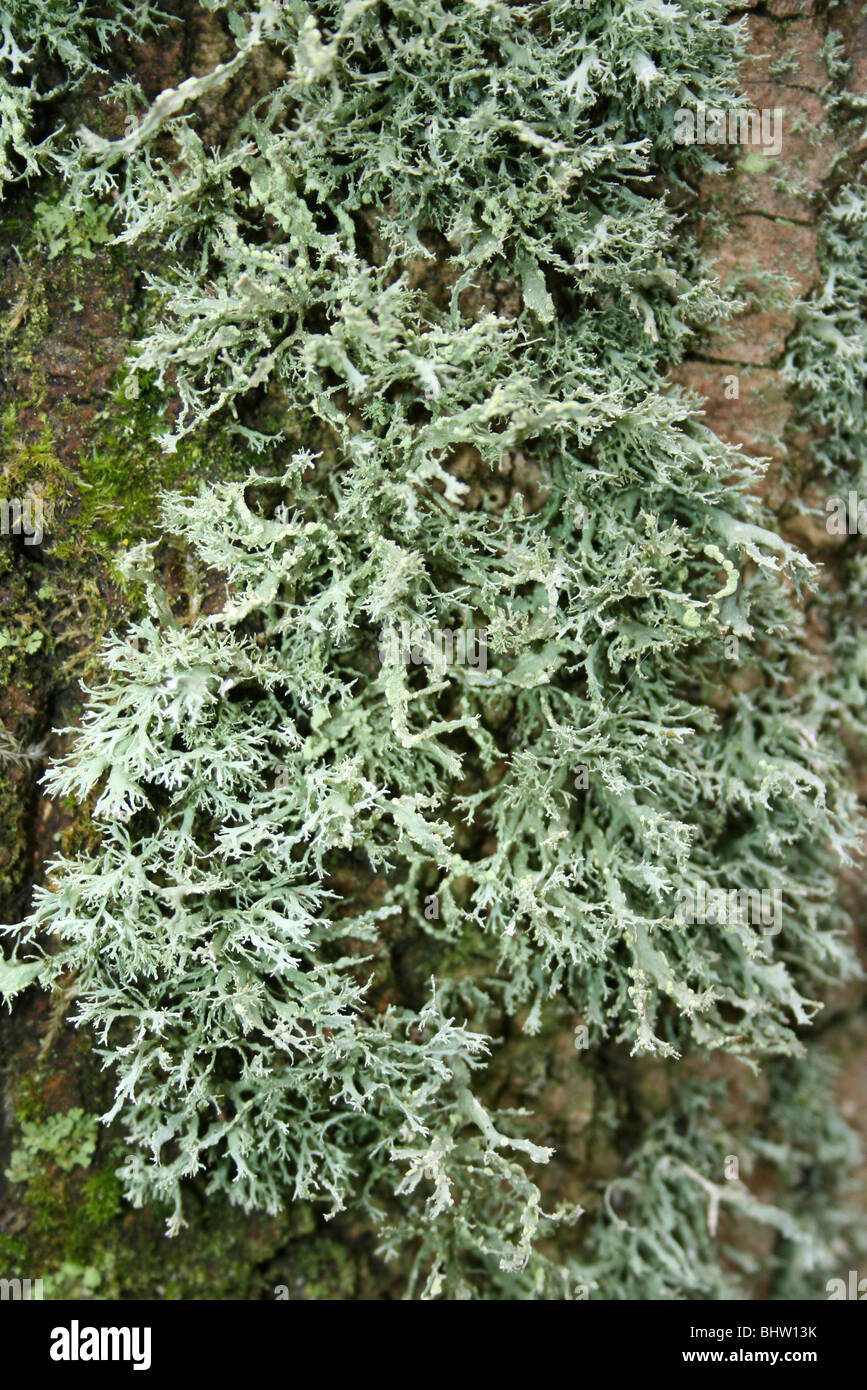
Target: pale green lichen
x=439 y=300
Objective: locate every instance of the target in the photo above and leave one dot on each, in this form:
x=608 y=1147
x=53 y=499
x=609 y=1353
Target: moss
x=319 y=1269
x=102 y=1197
x=72 y=1228
x=117 y=481
x=61 y=231
x=107 y=498
x=755 y=163
x=67 y=594
x=67 y=1140
x=13 y=841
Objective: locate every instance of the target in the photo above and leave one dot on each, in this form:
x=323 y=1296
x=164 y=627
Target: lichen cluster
x=430 y=281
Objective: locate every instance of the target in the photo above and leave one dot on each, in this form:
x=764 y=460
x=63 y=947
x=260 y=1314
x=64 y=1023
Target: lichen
x=318 y=881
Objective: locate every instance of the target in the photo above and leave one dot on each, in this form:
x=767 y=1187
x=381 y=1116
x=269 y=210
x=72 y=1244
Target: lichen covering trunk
x=444 y=870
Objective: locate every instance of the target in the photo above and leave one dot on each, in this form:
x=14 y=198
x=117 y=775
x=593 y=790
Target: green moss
x=74 y=1230
x=75 y=234
x=118 y=480
x=75 y=1280
x=319 y=1269
x=755 y=163
x=102 y=1197
x=67 y=1139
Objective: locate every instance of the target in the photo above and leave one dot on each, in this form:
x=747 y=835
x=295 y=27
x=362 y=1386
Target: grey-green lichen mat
x=430 y=283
